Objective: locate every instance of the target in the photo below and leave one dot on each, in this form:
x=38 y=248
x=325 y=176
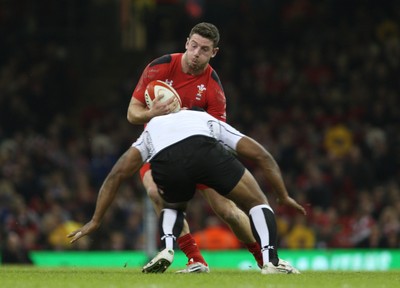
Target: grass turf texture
x=26 y=277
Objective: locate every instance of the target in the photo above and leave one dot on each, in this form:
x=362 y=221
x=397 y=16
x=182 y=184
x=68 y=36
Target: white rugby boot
x=283 y=267
x=195 y=267
x=160 y=263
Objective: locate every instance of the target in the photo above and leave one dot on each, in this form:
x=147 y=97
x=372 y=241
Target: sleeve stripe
x=162 y=60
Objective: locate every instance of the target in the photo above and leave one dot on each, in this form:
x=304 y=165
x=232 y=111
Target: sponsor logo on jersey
x=169 y=82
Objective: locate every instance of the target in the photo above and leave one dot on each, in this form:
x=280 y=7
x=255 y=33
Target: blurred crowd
x=316 y=82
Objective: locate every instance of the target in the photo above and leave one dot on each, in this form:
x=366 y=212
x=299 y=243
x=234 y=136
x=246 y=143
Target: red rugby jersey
x=203 y=90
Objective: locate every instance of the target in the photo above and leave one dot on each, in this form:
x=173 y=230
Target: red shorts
x=146 y=167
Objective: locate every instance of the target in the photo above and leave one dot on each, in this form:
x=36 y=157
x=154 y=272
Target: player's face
x=199 y=51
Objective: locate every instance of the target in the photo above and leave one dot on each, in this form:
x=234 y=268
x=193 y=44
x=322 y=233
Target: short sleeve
x=141 y=145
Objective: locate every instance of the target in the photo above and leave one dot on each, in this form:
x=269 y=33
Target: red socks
x=188 y=246
x=255 y=249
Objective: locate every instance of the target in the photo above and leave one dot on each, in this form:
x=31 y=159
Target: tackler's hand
x=289 y=201
x=83 y=231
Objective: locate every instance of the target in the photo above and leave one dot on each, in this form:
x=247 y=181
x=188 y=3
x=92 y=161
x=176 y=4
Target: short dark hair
x=206 y=30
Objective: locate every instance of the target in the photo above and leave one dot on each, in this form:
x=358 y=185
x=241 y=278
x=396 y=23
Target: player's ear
x=215 y=51
x=187 y=43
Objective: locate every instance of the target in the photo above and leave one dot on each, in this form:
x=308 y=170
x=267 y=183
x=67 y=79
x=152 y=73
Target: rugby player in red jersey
x=198 y=85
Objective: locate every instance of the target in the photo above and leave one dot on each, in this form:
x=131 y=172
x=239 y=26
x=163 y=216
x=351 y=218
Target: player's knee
x=153 y=194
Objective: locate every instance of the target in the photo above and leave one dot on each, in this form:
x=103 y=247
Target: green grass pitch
x=26 y=277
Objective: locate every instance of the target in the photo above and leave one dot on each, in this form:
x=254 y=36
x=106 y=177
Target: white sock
x=168 y=223
x=259 y=220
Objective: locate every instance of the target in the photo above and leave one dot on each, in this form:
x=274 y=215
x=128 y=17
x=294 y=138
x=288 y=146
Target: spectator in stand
x=14 y=251
x=300 y=235
x=389 y=224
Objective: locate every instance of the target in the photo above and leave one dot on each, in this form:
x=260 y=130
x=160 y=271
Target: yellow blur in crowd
x=338 y=141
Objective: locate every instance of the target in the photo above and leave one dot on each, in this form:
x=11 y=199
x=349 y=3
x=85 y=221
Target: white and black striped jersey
x=164 y=131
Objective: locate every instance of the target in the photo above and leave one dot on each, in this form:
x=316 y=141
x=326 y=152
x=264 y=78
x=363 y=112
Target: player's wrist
x=95 y=221
x=149 y=114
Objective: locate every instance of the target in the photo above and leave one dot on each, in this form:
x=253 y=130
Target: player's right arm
x=123 y=169
x=138 y=113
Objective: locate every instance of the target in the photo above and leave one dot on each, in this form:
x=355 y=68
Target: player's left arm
x=249 y=148
x=124 y=168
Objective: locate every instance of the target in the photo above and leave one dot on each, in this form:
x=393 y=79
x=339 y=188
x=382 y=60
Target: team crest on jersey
x=201 y=88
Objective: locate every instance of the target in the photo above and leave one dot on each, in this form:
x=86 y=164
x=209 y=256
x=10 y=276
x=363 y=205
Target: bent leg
x=247 y=193
x=228 y=212
x=186 y=242
x=152 y=192
x=248 y=196
x=170 y=225
x=263 y=225
x=236 y=219
x=156 y=200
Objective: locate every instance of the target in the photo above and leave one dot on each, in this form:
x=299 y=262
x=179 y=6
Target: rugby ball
x=156 y=88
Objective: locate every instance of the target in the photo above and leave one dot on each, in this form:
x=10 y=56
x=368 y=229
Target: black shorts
x=195 y=160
